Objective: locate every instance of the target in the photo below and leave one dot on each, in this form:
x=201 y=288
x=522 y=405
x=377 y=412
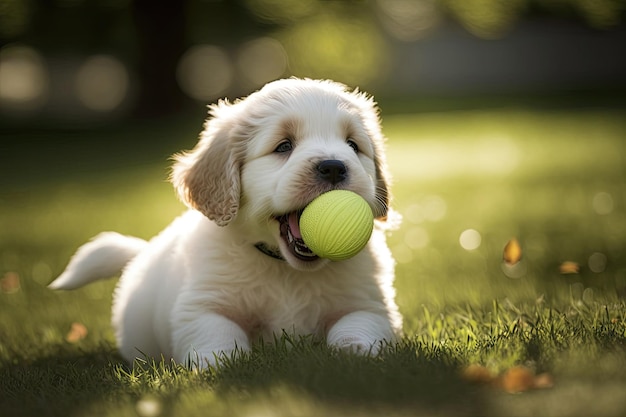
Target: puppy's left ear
x=371 y=119
x=382 y=180
x=208 y=177
x=370 y=116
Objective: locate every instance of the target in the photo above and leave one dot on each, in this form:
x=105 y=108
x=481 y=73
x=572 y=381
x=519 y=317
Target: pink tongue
x=294 y=226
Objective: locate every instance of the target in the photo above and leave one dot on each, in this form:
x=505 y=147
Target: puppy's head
x=262 y=159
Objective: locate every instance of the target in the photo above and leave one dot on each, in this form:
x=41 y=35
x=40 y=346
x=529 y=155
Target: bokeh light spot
x=413 y=214
x=470 y=239
x=402 y=253
x=343 y=48
x=408 y=20
x=262 y=60
x=149 y=407
x=416 y=238
x=597 y=262
x=434 y=208
x=204 y=72
x=42 y=273
x=602 y=203
x=102 y=83
x=24 y=80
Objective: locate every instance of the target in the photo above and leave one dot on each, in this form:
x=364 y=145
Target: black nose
x=332 y=170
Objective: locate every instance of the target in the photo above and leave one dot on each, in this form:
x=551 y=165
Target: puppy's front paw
x=361 y=332
x=355 y=344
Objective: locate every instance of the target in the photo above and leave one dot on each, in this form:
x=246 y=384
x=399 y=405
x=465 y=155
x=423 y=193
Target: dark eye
x=284 y=146
x=353 y=145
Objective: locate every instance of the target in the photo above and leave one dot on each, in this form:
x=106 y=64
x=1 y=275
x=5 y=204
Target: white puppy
x=233 y=269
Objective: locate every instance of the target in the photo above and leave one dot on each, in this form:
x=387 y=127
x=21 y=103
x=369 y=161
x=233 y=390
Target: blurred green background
x=505 y=120
x=79 y=63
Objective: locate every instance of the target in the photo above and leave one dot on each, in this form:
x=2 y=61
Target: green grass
x=555 y=180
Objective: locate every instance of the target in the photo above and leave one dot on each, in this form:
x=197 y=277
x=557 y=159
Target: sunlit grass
x=465 y=183
x=555 y=182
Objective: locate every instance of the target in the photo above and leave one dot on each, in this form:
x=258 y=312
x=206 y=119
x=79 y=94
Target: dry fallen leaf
x=512 y=252
x=77 y=332
x=517 y=379
x=477 y=374
x=514 y=380
x=10 y=283
x=569 y=267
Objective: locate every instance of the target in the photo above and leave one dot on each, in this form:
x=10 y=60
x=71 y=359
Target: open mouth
x=290 y=233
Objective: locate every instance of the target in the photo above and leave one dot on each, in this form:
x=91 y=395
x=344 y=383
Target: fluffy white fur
x=201 y=288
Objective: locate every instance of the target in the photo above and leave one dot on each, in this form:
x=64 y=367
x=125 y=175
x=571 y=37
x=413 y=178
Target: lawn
x=544 y=334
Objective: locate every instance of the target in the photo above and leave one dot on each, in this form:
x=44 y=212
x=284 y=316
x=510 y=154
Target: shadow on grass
x=59 y=384
x=407 y=377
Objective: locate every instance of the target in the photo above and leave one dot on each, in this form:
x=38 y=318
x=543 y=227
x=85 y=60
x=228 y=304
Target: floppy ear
x=208 y=177
x=369 y=113
x=370 y=116
x=382 y=180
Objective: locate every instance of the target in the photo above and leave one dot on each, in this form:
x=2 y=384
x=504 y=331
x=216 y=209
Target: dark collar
x=270 y=251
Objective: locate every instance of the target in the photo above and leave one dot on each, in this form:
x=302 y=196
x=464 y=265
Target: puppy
x=233 y=269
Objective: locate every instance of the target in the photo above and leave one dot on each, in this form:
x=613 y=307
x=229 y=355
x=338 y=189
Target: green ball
x=337 y=224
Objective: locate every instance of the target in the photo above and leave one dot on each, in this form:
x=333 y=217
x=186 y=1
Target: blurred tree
x=160 y=31
x=486 y=18
x=282 y=11
x=601 y=13
x=348 y=40
x=493 y=18
x=14 y=18
x=347 y=47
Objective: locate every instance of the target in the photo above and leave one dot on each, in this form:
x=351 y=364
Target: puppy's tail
x=103 y=257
